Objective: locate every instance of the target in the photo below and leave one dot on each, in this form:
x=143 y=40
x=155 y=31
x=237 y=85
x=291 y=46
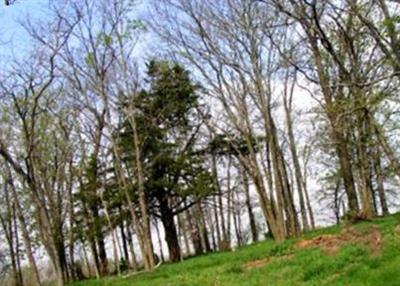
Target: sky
x=13 y=37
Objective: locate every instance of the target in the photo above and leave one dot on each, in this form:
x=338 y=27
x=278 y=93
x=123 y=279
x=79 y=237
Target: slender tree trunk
x=216 y=218
x=149 y=252
x=133 y=261
x=114 y=236
x=236 y=220
x=159 y=240
x=17 y=248
x=203 y=228
x=252 y=220
x=228 y=206
x=71 y=237
x=124 y=242
x=194 y=233
x=210 y=222
x=93 y=250
x=6 y=224
x=223 y=237
x=87 y=262
x=295 y=158
x=337 y=202
x=308 y=203
x=380 y=181
x=99 y=237
x=25 y=236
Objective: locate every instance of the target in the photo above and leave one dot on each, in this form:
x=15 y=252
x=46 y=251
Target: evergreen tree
x=168 y=126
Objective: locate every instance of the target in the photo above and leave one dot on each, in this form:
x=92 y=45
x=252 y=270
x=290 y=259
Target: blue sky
x=13 y=38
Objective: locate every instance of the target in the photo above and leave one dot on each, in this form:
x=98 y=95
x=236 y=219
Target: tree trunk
x=364 y=158
x=149 y=252
x=86 y=258
x=380 y=181
x=252 y=220
x=171 y=235
x=99 y=237
x=25 y=236
x=159 y=240
x=203 y=228
x=124 y=242
x=114 y=236
x=216 y=218
x=223 y=236
x=8 y=229
x=133 y=261
x=194 y=233
x=293 y=149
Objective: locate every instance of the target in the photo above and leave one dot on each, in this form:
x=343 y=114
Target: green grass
x=353 y=264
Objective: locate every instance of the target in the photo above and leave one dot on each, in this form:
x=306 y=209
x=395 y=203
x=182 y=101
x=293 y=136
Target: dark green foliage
x=165 y=118
x=168 y=125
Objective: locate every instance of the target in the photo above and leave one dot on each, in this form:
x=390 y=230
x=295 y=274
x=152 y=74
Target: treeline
x=120 y=135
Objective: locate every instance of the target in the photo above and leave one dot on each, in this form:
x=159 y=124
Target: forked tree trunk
x=25 y=235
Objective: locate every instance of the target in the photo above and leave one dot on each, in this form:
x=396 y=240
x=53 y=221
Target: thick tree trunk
x=61 y=254
x=346 y=170
x=364 y=156
x=171 y=235
x=337 y=125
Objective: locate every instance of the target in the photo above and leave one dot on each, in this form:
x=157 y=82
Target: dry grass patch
x=254 y=264
x=332 y=243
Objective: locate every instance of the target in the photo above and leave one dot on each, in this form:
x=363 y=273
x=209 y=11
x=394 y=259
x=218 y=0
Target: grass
x=353 y=264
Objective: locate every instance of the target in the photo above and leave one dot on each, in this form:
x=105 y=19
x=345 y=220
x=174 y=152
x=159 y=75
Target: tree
x=167 y=125
x=236 y=61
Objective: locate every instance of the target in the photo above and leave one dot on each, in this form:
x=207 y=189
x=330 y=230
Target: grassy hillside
x=365 y=254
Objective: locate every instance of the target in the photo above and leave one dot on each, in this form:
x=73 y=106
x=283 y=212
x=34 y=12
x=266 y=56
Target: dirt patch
x=331 y=243
x=262 y=262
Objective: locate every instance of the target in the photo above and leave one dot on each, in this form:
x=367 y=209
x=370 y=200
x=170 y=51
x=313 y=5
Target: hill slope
x=364 y=254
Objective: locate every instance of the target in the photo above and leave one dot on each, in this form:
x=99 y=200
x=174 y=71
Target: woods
x=133 y=134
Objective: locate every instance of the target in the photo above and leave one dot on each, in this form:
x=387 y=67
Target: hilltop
x=367 y=253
